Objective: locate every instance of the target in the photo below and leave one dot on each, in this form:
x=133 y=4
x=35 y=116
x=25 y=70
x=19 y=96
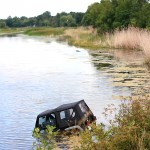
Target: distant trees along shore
x=106 y=16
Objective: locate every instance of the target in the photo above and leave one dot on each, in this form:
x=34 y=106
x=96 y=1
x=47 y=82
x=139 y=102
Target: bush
x=45 y=140
x=130 y=129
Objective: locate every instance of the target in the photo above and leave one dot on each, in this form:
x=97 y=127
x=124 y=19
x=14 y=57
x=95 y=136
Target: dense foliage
x=106 y=15
x=45 y=140
x=111 y=14
x=61 y=19
x=130 y=130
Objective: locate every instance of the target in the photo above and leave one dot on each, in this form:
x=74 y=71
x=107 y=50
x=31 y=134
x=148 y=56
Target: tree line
x=106 y=15
x=63 y=19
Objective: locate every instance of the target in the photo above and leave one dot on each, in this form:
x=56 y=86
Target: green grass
x=45 y=31
x=11 y=30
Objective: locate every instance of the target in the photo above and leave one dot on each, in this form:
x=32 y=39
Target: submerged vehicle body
x=67 y=116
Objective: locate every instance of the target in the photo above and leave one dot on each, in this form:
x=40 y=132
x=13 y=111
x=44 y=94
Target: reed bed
x=127 y=39
x=77 y=32
x=132 y=38
x=145 y=42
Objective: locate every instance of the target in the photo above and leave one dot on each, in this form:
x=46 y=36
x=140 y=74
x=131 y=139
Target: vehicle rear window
x=83 y=107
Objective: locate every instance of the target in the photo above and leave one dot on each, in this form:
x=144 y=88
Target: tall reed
x=127 y=38
x=132 y=38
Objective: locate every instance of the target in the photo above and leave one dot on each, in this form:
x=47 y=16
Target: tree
x=9 y=22
x=67 y=21
x=105 y=18
x=78 y=17
x=2 y=24
x=111 y=14
x=90 y=16
x=43 y=19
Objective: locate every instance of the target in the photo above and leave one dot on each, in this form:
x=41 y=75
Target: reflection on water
x=128 y=55
x=37 y=75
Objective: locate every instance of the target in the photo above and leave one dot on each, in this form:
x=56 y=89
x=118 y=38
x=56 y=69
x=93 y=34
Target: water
x=36 y=75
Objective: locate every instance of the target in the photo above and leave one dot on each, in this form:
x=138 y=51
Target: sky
x=31 y=8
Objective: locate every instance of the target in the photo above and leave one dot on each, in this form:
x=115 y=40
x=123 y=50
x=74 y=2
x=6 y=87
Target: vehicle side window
x=83 y=107
x=62 y=114
x=52 y=120
x=47 y=120
x=42 y=120
x=67 y=114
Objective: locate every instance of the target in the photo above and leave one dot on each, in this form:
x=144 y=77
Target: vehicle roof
x=60 y=108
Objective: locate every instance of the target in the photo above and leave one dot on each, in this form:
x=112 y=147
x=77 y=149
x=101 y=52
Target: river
x=36 y=75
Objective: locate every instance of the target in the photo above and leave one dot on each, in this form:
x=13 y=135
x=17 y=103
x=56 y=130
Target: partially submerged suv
x=67 y=116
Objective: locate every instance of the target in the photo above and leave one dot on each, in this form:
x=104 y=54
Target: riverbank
x=11 y=31
x=87 y=37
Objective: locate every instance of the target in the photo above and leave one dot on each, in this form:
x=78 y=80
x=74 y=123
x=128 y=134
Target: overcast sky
x=31 y=8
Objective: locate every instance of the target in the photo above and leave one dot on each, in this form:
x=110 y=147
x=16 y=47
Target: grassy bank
x=83 y=37
x=131 y=38
x=80 y=37
x=9 y=31
x=45 y=31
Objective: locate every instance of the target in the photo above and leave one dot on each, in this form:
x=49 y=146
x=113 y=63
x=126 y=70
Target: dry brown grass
x=75 y=33
x=85 y=37
x=132 y=38
x=145 y=42
x=128 y=39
